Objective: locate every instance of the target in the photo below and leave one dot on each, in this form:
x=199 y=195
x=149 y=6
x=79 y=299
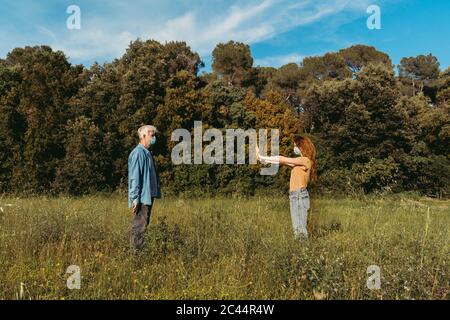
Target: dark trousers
x=141 y=219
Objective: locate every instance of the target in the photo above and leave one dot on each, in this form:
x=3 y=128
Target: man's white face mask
x=297 y=151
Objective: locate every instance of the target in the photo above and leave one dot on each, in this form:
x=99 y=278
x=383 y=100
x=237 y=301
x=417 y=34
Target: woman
x=303 y=171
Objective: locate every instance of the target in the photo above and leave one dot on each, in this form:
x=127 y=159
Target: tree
x=46 y=81
x=328 y=66
x=274 y=113
x=443 y=91
x=12 y=125
x=69 y=129
x=87 y=165
x=232 y=61
x=125 y=94
x=357 y=117
x=259 y=78
x=358 y=56
x=420 y=69
x=286 y=80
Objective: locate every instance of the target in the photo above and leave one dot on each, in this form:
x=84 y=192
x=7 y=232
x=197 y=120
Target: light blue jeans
x=299 y=202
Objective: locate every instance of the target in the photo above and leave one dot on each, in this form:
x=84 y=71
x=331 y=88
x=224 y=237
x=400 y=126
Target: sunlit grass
x=224 y=248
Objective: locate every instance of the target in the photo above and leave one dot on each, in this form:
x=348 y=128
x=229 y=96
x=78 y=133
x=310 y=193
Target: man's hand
x=133 y=208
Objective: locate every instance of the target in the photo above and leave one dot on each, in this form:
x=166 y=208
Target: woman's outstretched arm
x=292 y=162
x=281 y=160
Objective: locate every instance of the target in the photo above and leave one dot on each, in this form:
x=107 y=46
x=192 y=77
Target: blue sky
x=278 y=31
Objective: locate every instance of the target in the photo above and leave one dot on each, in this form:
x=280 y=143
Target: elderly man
x=143 y=184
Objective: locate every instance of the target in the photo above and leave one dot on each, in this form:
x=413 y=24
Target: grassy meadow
x=225 y=248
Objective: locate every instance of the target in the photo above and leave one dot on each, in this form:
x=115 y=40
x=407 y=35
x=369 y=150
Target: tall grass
x=224 y=248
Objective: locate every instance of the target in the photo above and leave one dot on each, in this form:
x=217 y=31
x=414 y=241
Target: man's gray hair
x=144 y=129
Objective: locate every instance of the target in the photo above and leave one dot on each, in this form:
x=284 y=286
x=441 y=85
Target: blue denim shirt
x=143 y=178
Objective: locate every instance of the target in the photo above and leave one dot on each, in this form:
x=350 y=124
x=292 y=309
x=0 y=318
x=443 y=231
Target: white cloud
x=107 y=29
x=278 y=60
x=250 y=23
x=90 y=44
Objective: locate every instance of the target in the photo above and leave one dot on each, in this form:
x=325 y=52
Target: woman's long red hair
x=308 y=150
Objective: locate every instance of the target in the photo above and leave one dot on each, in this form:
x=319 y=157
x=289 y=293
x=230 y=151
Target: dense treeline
x=68 y=129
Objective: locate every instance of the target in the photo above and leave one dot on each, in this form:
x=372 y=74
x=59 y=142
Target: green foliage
x=11 y=125
x=86 y=164
x=232 y=61
x=376 y=134
x=377 y=174
x=422 y=70
x=329 y=66
x=38 y=85
x=419 y=68
x=358 y=56
x=68 y=129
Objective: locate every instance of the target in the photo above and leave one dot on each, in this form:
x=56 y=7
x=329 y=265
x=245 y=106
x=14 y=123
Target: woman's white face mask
x=297 y=151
